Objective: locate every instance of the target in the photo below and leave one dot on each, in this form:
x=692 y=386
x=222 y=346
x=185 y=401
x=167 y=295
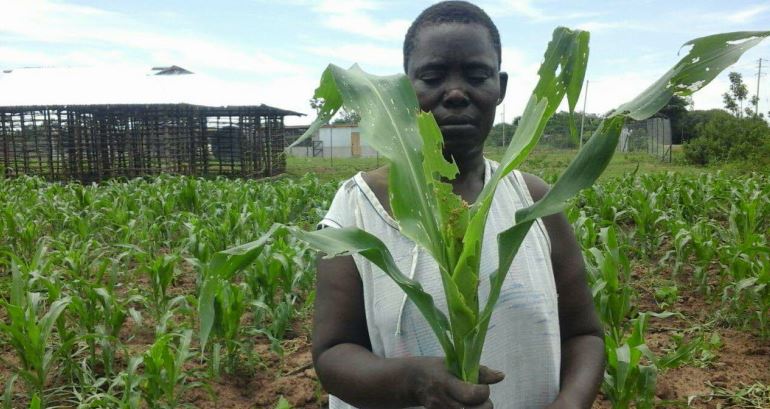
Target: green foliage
x=728 y=139
x=216 y=290
x=738 y=93
x=609 y=273
x=501 y=133
x=101 y=316
x=229 y=306
x=630 y=375
x=667 y=295
x=35 y=403
x=676 y=110
x=122 y=251
x=29 y=332
x=283 y=404
x=695 y=118
x=164 y=377
x=8 y=392
x=557 y=132
x=713 y=223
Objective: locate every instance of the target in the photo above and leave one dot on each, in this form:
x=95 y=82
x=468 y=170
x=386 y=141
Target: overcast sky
x=273 y=52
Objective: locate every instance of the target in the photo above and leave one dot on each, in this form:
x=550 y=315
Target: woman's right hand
x=435 y=387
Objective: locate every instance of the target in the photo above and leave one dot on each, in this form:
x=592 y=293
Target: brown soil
x=291 y=376
x=742 y=360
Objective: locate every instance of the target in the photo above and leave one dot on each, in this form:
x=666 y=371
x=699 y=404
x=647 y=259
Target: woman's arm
x=349 y=370
x=582 y=346
x=341 y=350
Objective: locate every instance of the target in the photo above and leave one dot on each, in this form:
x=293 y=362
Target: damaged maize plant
x=451 y=230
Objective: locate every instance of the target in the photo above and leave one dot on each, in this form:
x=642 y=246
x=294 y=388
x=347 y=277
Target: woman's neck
x=470 y=165
x=470 y=179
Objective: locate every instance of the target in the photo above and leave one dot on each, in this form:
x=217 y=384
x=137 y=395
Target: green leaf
x=49 y=319
x=206 y=310
x=623 y=354
x=227 y=262
x=283 y=404
x=581 y=173
x=350 y=240
x=329 y=92
x=708 y=57
x=35 y=403
x=222 y=267
x=509 y=243
x=8 y=392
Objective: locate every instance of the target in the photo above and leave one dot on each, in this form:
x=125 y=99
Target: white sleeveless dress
x=523 y=339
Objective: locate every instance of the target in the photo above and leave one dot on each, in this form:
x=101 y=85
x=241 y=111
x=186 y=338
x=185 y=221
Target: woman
x=371 y=347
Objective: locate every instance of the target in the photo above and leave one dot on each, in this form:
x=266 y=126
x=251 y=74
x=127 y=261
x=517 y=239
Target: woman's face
x=454 y=70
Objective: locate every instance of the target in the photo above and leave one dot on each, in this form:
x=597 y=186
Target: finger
x=486 y=405
x=489 y=376
x=467 y=393
x=443 y=402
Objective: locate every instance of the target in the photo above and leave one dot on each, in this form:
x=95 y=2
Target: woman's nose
x=455 y=97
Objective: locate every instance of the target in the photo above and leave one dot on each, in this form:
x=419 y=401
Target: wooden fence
x=95 y=142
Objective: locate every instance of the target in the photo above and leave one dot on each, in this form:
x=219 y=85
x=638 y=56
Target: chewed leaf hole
x=686 y=48
x=691 y=87
x=741 y=41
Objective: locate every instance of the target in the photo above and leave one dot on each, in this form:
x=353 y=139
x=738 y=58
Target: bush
x=696 y=151
x=729 y=139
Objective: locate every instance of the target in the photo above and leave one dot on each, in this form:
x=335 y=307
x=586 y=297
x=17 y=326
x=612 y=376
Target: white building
x=339 y=141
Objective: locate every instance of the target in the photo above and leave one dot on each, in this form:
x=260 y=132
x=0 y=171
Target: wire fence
x=652 y=135
x=91 y=143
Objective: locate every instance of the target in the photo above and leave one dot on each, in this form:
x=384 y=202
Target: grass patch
x=544 y=162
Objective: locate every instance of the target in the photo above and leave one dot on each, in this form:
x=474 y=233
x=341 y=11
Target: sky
x=273 y=52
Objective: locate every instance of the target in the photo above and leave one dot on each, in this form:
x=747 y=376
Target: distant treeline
x=709 y=136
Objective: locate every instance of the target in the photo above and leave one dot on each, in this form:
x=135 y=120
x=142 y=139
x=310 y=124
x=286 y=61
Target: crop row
x=120 y=295
x=101 y=285
x=709 y=232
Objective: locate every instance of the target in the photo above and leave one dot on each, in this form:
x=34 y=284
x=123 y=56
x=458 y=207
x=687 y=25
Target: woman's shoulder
x=536 y=186
x=360 y=193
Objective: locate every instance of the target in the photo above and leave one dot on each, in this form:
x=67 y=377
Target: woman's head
x=452 y=57
x=451 y=12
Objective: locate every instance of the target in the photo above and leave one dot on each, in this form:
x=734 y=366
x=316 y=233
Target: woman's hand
x=435 y=387
x=560 y=404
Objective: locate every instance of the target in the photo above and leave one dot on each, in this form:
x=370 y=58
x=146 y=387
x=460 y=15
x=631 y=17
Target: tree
x=693 y=119
x=725 y=138
x=496 y=137
x=752 y=103
x=347 y=117
x=316 y=104
x=738 y=93
x=676 y=112
x=343 y=116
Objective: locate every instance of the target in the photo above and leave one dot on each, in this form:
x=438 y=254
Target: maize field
x=118 y=295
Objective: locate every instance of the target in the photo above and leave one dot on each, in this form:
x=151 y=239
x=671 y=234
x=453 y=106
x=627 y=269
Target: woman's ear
x=503 y=86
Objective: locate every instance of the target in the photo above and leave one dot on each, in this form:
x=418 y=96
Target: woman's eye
x=430 y=77
x=478 y=77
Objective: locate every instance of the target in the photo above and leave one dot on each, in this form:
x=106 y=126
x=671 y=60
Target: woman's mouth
x=456 y=121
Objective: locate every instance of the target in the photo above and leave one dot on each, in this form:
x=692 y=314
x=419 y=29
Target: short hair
x=451 y=12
